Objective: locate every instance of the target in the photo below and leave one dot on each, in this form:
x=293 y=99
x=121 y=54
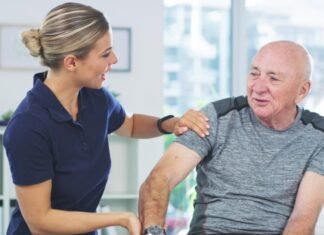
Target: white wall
x=140 y=89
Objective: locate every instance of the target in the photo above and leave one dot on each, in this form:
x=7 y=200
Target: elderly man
x=260 y=170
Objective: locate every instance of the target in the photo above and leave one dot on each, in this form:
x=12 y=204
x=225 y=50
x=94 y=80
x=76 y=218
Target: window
x=197 y=51
x=208 y=45
x=197 y=71
x=278 y=20
x=268 y=21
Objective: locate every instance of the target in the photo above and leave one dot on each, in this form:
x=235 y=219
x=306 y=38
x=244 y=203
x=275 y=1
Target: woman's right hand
x=133 y=224
x=194 y=120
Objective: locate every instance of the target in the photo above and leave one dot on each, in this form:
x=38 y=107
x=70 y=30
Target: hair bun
x=31 y=39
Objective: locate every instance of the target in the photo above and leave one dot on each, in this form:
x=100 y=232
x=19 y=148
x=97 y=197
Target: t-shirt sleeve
x=116 y=112
x=28 y=150
x=201 y=145
x=317 y=163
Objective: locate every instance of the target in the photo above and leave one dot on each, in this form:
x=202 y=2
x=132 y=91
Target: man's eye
x=254 y=74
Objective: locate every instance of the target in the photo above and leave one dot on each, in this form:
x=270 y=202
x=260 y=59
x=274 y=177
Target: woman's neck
x=65 y=91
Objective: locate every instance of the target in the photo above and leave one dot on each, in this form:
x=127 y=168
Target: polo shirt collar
x=46 y=98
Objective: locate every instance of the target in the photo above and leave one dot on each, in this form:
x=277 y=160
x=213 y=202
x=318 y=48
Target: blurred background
x=182 y=54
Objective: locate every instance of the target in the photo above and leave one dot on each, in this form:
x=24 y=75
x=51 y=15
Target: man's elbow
x=157 y=179
x=300 y=225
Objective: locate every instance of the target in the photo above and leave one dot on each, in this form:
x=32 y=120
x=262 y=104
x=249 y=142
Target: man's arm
x=308 y=205
x=174 y=166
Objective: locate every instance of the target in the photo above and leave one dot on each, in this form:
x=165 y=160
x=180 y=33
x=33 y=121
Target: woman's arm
x=35 y=205
x=145 y=126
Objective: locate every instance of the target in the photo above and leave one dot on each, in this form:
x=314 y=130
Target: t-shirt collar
x=46 y=98
x=293 y=125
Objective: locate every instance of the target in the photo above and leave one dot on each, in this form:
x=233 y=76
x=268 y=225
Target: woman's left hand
x=194 y=120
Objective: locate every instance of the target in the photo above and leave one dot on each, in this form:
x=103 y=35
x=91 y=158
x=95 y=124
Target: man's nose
x=260 y=85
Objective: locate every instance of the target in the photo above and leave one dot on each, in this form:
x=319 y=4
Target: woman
x=56 y=141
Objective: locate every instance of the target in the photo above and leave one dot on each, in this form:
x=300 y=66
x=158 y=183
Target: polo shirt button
x=85 y=146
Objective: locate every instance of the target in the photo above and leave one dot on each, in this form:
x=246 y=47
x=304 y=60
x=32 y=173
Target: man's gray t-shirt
x=249 y=174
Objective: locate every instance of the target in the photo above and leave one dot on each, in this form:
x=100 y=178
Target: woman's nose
x=111 y=60
x=114 y=58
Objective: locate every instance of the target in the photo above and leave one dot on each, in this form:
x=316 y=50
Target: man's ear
x=70 y=62
x=303 y=90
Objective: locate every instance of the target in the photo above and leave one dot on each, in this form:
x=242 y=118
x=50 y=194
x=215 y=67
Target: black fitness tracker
x=160 y=121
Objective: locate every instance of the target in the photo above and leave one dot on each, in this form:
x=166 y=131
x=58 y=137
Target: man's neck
x=281 y=122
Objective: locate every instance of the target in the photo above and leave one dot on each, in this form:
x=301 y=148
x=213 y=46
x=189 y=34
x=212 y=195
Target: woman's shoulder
x=23 y=128
x=24 y=121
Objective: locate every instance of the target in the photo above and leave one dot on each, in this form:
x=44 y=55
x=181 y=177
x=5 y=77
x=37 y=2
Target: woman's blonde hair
x=70 y=28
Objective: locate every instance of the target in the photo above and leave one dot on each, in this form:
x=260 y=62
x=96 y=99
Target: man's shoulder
x=315 y=119
x=226 y=105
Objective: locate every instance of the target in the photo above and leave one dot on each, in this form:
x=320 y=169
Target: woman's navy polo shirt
x=43 y=142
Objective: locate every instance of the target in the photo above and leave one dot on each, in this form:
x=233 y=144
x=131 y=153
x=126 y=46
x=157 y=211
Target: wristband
x=160 y=121
x=154 y=230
